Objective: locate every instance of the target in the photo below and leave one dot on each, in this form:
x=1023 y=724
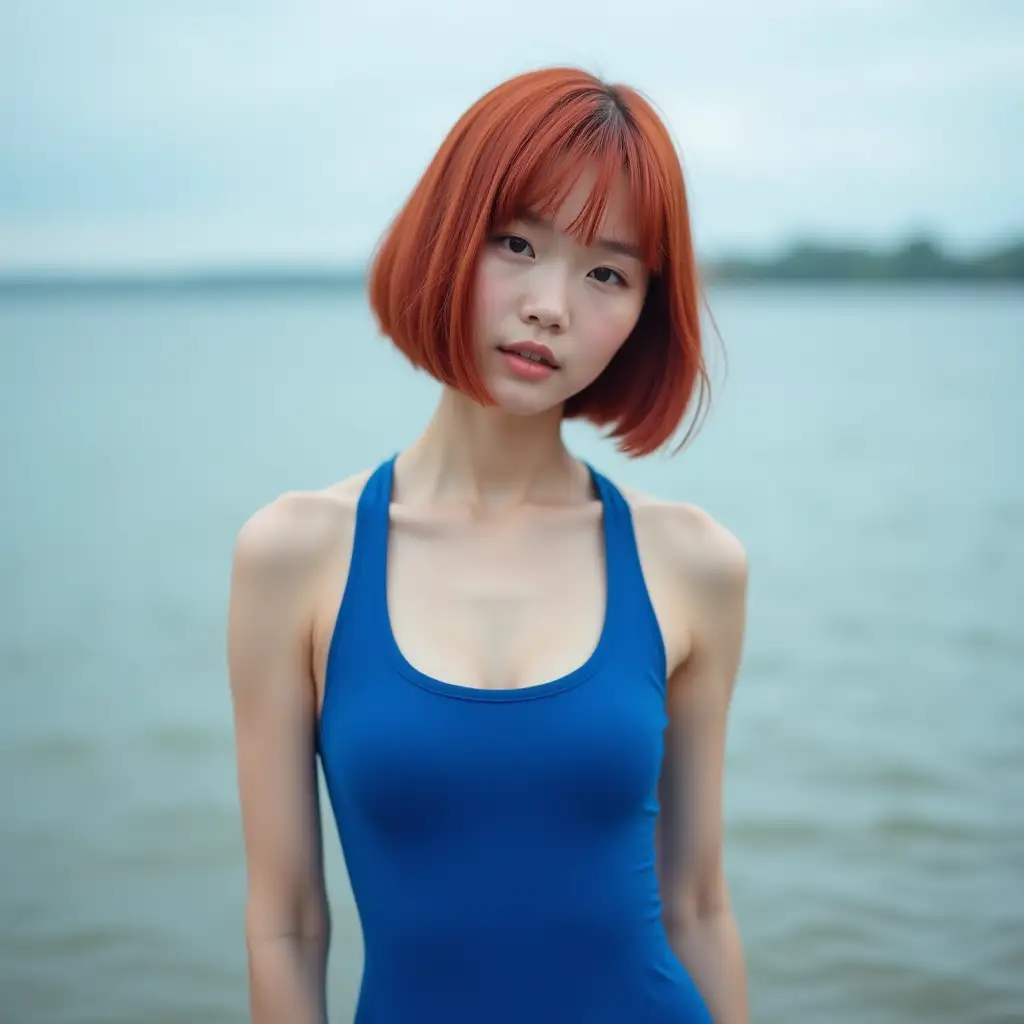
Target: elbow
x=697 y=901
x=287 y=971
x=307 y=940
x=304 y=922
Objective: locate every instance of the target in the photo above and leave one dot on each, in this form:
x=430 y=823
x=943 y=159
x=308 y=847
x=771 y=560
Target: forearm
x=712 y=952
x=287 y=980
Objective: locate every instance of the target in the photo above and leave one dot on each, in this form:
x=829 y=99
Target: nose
x=545 y=302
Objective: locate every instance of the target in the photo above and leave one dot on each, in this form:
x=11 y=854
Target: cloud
x=243 y=131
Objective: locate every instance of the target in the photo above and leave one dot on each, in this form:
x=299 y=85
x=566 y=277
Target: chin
x=524 y=399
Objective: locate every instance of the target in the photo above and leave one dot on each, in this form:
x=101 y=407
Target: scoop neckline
x=535 y=691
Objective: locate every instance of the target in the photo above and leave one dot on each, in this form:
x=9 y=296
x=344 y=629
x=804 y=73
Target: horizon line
x=319 y=272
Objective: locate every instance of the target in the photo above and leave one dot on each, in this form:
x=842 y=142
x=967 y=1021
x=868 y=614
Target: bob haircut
x=522 y=146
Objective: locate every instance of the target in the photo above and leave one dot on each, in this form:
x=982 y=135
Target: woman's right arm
x=287 y=922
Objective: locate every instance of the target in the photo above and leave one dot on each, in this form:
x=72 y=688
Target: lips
x=531 y=350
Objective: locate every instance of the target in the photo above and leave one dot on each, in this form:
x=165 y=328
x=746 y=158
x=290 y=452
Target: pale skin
x=496 y=579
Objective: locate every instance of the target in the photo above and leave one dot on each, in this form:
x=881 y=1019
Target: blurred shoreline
x=917 y=261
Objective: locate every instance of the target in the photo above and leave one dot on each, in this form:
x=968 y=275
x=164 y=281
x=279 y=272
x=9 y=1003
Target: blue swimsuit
x=500 y=843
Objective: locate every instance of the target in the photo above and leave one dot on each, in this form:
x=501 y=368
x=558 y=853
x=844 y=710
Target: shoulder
x=292 y=536
x=689 y=538
x=702 y=567
x=700 y=561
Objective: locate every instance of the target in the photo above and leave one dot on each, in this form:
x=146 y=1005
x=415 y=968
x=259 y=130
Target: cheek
x=490 y=298
x=609 y=326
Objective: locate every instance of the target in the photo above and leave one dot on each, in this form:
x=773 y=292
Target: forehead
x=618 y=218
x=591 y=210
x=594 y=200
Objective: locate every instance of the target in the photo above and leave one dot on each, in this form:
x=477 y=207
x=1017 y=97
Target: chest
x=498 y=606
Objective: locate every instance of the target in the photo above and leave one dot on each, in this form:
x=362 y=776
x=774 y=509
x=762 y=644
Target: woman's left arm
x=697 y=912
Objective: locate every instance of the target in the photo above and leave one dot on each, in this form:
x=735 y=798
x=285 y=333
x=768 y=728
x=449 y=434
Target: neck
x=489 y=460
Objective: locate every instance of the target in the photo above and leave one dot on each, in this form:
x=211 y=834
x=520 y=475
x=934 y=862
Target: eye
x=515 y=244
x=614 y=277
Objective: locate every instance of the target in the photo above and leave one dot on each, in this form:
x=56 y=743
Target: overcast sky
x=196 y=132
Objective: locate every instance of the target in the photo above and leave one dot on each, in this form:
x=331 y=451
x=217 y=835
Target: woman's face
x=537 y=286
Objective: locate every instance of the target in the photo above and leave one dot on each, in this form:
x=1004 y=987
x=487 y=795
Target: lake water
x=862 y=447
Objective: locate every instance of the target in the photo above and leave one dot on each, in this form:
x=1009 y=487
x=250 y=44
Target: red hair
x=523 y=146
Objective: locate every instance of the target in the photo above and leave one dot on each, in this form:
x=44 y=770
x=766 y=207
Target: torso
x=501 y=604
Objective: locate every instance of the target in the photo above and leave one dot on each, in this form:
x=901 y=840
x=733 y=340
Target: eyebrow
x=611 y=244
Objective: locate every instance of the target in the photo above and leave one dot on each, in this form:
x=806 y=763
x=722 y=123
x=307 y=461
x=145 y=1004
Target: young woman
x=516 y=675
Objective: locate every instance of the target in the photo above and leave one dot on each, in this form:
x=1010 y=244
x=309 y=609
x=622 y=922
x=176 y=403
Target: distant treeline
x=920 y=260
x=917 y=260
